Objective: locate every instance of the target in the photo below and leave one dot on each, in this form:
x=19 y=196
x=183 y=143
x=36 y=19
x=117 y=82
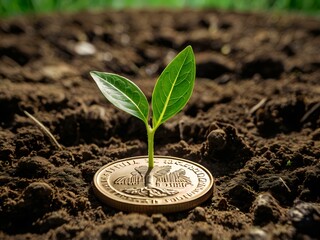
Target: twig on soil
x=308 y=113
x=44 y=130
x=289 y=190
x=260 y=104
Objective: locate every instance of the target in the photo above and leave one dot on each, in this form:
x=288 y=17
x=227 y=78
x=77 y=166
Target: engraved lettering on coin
x=157 y=182
x=172 y=185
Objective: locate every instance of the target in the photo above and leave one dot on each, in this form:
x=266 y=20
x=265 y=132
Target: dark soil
x=253 y=121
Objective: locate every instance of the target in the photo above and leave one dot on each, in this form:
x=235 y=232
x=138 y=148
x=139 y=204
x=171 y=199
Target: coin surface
x=172 y=185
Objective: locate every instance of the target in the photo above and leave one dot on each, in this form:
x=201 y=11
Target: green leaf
x=174 y=87
x=123 y=93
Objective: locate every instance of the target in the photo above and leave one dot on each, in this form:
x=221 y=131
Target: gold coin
x=172 y=185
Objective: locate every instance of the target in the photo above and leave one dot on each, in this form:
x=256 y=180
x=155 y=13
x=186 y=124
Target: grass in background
x=18 y=7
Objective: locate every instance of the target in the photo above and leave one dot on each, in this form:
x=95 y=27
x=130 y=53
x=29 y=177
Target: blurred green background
x=18 y=7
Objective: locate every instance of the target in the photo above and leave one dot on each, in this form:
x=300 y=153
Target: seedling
x=171 y=93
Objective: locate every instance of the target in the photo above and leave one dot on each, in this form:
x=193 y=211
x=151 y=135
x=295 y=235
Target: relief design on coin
x=158 y=182
x=172 y=185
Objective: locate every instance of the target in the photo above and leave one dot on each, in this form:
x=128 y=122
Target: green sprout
x=171 y=93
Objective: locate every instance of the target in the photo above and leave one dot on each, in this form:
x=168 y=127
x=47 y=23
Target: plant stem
x=150 y=132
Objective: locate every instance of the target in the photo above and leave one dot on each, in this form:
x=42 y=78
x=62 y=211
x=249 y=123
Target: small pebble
x=217 y=139
x=38 y=192
x=84 y=49
x=305 y=218
x=265 y=209
x=198 y=214
x=34 y=167
x=258 y=234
